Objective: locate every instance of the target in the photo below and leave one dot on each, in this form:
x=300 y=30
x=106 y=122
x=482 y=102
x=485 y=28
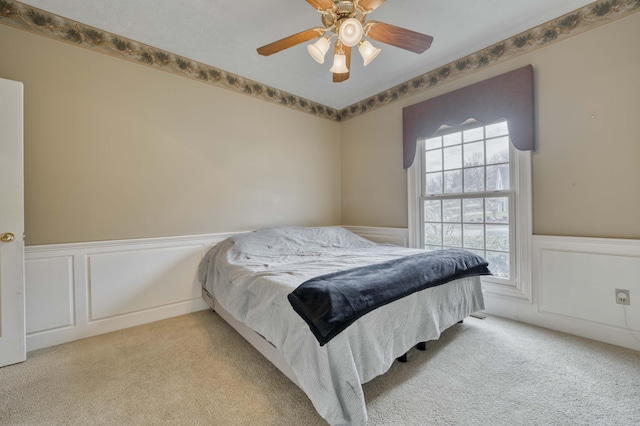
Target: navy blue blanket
x=331 y=302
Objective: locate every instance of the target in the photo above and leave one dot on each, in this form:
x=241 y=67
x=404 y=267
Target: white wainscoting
x=574 y=282
x=80 y=290
x=397 y=236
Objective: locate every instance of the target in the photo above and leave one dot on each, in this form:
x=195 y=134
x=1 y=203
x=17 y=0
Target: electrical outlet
x=623 y=297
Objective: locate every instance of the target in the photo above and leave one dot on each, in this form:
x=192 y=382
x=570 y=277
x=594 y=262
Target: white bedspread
x=251 y=274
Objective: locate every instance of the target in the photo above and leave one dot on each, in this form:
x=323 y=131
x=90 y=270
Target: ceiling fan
x=346 y=20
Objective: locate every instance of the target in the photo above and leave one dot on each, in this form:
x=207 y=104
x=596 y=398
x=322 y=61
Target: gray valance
x=508 y=96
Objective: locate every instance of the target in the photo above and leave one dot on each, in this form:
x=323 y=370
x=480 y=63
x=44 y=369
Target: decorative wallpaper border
x=19 y=15
x=25 y=17
x=580 y=20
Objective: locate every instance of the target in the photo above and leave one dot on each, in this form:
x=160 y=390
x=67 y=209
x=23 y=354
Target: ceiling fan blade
x=370 y=5
x=339 y=78
x=399 y=37
x=290 y=41
x=321 y=4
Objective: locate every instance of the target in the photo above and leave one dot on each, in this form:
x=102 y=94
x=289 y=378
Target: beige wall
x=117 y=150
x=586 y=169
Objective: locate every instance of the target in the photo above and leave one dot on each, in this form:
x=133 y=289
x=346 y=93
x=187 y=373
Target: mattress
x=250 y=276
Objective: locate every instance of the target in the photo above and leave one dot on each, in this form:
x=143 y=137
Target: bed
x=249 y=279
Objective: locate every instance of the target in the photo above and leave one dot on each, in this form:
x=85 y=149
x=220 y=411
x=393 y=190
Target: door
x=12 y=319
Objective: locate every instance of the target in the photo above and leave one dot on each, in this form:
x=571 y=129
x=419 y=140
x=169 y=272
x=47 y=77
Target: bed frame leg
x=403 y=358
x=422 y=346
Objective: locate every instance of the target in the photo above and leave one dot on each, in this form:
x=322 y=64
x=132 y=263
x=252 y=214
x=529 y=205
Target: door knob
x=7 y=237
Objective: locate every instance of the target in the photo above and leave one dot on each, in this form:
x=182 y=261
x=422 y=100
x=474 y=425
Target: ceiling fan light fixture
x=319 y=49
x=350 y=32
x=368 y=51
x=347 y=21
x=339 y=63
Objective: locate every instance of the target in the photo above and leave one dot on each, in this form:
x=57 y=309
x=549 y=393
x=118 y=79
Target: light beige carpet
x=195 y=370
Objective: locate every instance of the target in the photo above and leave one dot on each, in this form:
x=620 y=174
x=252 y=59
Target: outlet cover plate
x=626 y=300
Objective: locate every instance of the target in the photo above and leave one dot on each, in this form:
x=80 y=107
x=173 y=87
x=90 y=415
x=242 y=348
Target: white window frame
x=520 y=287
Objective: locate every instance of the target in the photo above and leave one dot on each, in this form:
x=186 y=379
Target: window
x=463 y=192
x=466 y=194
x=469 y=189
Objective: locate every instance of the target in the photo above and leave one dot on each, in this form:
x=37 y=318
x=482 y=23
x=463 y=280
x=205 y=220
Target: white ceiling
x=225 y=34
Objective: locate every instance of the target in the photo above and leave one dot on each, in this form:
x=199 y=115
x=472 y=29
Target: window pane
x=453 y=157
x=497 y=210
x=474 y=179
x=497 y=129
x=498 y=264
x=474 y=236
x=433 y=143
x=432 y=211
x=453 y=139
x=497 y=177
x=453 y=182
x=432 y=248
x=433 y=234
x=473 y=209
x=433 y=160
x=498 y=150
x=452 y=211
x=452 y=235
x=473 y=134
x=498 y=237
x=474 y=154
x=434 y=183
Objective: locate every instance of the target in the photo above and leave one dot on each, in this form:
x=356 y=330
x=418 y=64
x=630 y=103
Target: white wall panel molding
x=80 y=290
x=397 y=236
x=574 y=282
x=50 y=296
x=130 y=281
